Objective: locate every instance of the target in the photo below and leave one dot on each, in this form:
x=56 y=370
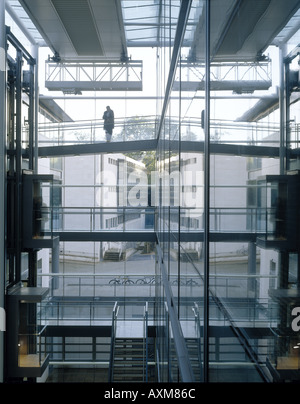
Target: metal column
x=252 y=266
x=35 y=51
x=206 y=192
x=282 y=110
x=18 y=173
x=2 y=174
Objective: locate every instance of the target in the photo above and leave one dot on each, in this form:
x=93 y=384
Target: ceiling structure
x=104 y=29
x=52 y=110
x=241 y=30
x=81 y=29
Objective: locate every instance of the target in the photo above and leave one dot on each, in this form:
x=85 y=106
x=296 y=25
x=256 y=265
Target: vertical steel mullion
x=31 y=118
x=281 y=111
x=36 y=110
x=32 y=255
x=206 y=191
x=2 y=175
x=18 y=193
x=287 y=123
x=11 y=168
x=180 y=191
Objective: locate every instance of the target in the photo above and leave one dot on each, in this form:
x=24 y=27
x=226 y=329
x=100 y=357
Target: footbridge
x=139 y=134
x=135 y=134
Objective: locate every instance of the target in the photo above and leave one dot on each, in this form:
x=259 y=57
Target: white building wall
x=91 y=192
x=228 y=200
x=44 y=255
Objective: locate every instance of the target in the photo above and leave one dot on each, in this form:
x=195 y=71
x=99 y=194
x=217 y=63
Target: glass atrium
x=171 y=252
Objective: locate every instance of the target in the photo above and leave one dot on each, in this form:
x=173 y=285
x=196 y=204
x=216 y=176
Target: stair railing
x=145 y=343
x=198 y=336
x=112 y=342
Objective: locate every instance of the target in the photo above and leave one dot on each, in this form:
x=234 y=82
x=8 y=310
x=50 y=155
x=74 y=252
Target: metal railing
x=196 y=312
x=113 y=339
x=144 y=128
x=91 y=131
x=145 y=343
x=102 y=218
x=145 y=358
x=143 y=218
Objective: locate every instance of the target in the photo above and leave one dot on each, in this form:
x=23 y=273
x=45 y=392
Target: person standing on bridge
x=109 y=123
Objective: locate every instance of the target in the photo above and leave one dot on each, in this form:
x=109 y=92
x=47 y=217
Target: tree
x=138 y=128
x=141 y=128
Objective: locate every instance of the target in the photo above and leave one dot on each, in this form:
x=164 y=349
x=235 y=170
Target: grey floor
x=77 y=375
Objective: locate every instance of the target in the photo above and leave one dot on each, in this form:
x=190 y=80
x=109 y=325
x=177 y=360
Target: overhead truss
x=239 y=77
x=74 y=77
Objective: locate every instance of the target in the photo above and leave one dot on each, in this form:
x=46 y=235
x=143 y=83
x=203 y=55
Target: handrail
x=198 y=336
x=145 y=355
x=89 y=131
x=184 y=364
x=113 y=338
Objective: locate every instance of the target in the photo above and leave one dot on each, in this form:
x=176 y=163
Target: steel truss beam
x=241 y=78
x=73 y=77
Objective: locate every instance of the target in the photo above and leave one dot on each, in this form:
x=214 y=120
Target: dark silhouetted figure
x=109 y=123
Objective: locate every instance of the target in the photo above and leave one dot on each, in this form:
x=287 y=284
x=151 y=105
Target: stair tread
x=129 y=359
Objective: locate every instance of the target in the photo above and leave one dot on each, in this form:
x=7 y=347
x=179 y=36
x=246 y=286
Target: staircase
x=192 y=345
x=129 y=360
x=193 y=350
x=113 y=255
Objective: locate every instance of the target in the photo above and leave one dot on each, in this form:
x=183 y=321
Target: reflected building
x=170 y=254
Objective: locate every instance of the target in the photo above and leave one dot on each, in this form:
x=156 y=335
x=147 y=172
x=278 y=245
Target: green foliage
x=140 y=128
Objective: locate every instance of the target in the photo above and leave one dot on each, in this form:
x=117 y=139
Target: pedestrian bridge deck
x=151 y=144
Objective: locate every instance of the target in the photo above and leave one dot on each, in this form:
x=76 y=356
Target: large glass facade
x=180 y=209
x=207 y=235
x=171 y=253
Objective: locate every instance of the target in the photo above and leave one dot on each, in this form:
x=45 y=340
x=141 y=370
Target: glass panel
x=143 y=21
x=31 y=339
x=180 y=208
x=240 y=210
x=109 y=270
